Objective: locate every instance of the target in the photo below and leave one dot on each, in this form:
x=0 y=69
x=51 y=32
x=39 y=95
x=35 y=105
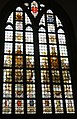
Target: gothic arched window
x=36 y=68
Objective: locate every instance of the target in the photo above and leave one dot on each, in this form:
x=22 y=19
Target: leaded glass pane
x=47 y=107
x=27 y=19
x=7 y=75
x=62 y=39
x=19 y=91
x=64 y=63
x=31 y=106
x=10 y=18
x=19 y=106
x=45 y=76
x=7 y=106
x=18 y=75
x=49 y=11
x=19 y=9
x=28 y=37
x=18 y=36
x=63 y=50
x=70 y=106
x=42 y=37
x=42 y=20
x=57 y=91
x=52 y=38
x=7 y=60
x=55 y=76
x=9 y=27
x=66 y=76
x=7 y=90
x=8 y=35
x=58 y=22
x=58 y=106
x=53 y=50
x=30 y=76
x=43 y=49
x=30 y=90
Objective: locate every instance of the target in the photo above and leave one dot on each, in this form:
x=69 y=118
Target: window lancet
x=19 y=66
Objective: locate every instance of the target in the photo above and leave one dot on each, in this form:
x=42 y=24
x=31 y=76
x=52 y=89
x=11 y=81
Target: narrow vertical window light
x=30 y=71
x=19 y=68
x=18 y=65
x=7 y=71
x=45 y=82
x=65 y=72
x=55 y=79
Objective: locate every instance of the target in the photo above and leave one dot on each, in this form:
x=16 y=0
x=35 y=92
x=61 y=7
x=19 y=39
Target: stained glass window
x=23 y=49
x=55 y=70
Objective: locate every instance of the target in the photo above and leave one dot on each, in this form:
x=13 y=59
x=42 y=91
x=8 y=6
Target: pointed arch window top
x=21 y=63
x=19 y=9
x=60 y=31
x=49 y=11
x=42 y=20
x=10 y=19
x=9 y=27
x=58 y=22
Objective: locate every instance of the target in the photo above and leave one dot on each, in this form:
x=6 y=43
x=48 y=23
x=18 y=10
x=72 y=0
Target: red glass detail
x=19 y=103
x=34 y=9
x=5 y=103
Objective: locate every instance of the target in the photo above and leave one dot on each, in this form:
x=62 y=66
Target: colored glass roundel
x=34 y=8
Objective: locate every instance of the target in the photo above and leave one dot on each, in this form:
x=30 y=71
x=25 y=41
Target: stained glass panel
x=64 y=63
x=66 y=76
x=7 y=60
x=56 y=76
x=19 y=106
x=42 y=20
x=30 y=90
x=47 y=107
x=34 y=8
x=19 y=36
x=7 y=90
x=19 y=91
x=6 y=106
x=45 y=76
x=10 y=18
x=58 y=22
x=31 y=106
x=52 y=38
x=30 y=76
x=57 y=91
x=27 y=19
x=8 y=48
x=58 y=106
x=62 y=39
x=8 y=35
x=7 y=75
x=9 y=27
x=70 y=106
x=53 y=50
